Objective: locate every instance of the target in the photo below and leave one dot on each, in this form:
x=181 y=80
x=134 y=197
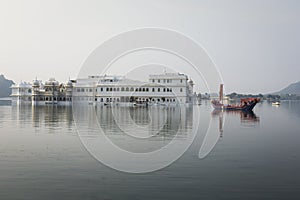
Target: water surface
x=256 y=156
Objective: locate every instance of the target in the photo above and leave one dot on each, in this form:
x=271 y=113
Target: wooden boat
x=246 y=104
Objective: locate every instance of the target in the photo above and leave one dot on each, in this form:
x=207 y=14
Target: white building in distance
x=162 y=89
x=166 y=89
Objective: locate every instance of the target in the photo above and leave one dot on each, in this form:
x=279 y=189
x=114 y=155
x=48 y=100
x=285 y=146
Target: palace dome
x=52 y=81
x=36 y=83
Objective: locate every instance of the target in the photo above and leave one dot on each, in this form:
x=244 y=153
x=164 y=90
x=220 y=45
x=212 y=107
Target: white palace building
x=162 y=89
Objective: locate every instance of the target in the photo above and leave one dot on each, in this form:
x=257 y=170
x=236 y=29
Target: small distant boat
x=246 y=104
x=140 y=104
x=276 y=103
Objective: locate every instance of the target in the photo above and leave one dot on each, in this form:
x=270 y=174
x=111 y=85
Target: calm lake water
x=244 y=156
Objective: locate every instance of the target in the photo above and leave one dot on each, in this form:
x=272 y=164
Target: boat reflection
x=247 y=118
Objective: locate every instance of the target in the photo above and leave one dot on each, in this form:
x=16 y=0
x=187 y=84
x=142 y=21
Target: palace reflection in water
x=136 y=129
x=50 y=117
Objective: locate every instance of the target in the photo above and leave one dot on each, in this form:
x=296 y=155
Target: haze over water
x=257 y=156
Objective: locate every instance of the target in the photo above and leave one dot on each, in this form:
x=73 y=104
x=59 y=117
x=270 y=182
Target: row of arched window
x=52 y=98
x=131 y=89
x=125 y=99
x=128 y=89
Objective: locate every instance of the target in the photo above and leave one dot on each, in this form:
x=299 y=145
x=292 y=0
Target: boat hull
x=248 y=107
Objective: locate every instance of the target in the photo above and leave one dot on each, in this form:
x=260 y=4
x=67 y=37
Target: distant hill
x=293 y=88
x=5 y=84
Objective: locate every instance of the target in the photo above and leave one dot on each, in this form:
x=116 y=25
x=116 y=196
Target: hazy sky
x=255 y=44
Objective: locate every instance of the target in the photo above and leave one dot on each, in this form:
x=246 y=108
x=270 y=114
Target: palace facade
x=162 y=89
